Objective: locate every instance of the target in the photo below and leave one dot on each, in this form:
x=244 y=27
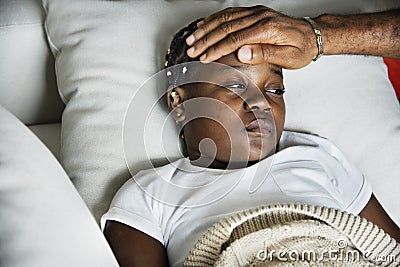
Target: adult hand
x=261 y=33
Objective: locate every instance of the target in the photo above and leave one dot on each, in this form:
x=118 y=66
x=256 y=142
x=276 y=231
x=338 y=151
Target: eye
x=275 y=91
x=236 y=85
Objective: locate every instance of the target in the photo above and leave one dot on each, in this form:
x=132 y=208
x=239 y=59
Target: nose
x=255 y=100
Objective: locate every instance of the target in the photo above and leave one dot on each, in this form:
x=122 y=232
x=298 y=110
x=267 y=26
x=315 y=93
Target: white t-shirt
x=177 y=203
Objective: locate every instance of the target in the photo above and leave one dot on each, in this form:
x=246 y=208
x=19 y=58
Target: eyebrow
x=277 y=71
x=274 y=70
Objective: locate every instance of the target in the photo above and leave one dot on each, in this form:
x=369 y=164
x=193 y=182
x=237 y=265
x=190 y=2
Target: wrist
x=318 y=37
x=344 y=34
x=325 y=23
x=374 y=34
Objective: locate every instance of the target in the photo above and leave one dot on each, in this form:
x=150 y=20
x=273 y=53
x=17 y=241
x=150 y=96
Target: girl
x=238 y=157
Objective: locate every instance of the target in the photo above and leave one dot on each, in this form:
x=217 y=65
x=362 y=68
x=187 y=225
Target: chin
x=258 y=154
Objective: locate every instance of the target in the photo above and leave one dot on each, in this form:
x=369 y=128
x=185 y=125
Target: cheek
x=201 y=128
x=279 y=110
x=228 y=138
x=221 y=129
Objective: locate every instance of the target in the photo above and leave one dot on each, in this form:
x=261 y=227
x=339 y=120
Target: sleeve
x=133 y=207
x=354 y=189
x=361 y=200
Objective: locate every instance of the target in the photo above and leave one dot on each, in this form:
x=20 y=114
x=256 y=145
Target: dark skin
x=261 y=34
x=257 y=98
x=134 y=248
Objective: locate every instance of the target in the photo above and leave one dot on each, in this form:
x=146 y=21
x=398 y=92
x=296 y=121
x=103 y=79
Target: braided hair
x=176 y=53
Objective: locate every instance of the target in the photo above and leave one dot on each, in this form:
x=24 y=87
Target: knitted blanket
x=294 y=235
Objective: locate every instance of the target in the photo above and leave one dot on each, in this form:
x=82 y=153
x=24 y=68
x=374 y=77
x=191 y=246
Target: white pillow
x=28 y=85
x=50 y=135
x=44 y=221
x=106 y=49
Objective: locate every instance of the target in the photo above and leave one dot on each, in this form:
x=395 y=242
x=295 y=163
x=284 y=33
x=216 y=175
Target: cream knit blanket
x=294 y=235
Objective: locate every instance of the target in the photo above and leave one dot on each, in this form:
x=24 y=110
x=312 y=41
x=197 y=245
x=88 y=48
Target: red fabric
x=394 y=73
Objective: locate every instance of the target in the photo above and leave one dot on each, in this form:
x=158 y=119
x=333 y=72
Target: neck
x=197 y=159
x=208 y=162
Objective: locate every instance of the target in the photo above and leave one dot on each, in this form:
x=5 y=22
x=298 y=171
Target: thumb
x=288 y=57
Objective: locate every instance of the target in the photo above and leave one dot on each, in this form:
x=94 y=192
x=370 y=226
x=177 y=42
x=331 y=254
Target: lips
x=260 y=126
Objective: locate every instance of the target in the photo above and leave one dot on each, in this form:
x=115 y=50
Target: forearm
x=375 y=34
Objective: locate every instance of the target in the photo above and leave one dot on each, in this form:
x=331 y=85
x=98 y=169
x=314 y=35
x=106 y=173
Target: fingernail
x=203 y=57
x=190 y=40
x=200 y=23
x=245 y=54
x=191 y=50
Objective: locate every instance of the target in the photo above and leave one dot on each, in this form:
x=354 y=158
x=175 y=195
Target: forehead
x=232 y=60
x=226 y=67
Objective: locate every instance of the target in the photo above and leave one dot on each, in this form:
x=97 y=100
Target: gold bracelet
x=318 y=34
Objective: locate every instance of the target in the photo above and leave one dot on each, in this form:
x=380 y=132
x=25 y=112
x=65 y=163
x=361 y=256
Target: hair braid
x=176 y=53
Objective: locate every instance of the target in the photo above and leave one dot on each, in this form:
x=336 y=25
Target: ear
x=175 y=98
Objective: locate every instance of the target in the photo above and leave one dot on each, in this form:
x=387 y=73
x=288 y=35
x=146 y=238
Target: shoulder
x=291 y=139
x=135 y=204
x=295 y=146
x=151 y=177
x=316 y=159
x=311 y=144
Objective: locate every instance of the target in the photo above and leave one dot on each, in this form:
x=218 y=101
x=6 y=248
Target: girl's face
x=238 y=119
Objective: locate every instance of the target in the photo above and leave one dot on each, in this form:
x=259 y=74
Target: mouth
x=259 y=127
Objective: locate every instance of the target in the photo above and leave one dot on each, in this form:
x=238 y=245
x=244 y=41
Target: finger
x=288 y=57
x=223 y=15
x=209 y=25
x=222 y=31
x=213 y=21
x=232 y=42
